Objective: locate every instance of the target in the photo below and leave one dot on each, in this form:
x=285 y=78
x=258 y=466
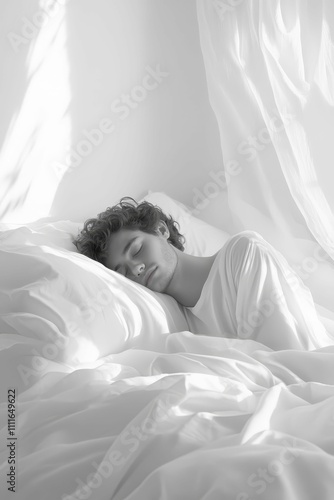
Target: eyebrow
x=126 y=248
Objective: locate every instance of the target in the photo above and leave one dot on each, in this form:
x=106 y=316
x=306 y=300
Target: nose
x=137 y=269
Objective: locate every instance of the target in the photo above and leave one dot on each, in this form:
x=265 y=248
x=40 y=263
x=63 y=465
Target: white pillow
x=202 y=239
x=75 y=307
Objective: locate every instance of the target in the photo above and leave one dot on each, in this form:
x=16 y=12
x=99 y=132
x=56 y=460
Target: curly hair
x=94 y=238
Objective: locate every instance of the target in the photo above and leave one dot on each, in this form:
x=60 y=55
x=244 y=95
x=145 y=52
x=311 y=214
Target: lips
x=149 y=275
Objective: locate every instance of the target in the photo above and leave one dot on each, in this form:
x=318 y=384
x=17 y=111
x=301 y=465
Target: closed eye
x=137 y=253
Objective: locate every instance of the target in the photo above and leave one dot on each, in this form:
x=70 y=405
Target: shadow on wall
x=140 y=114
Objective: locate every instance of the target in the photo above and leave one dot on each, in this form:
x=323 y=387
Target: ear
x=163 y=230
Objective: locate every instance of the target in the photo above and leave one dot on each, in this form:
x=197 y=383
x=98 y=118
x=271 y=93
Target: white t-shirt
x=252 y=293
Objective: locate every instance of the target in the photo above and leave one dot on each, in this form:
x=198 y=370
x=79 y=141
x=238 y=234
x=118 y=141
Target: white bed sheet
x=202 y=418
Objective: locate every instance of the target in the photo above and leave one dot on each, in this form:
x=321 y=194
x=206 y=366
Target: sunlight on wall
x=324 y=76
x=41 y=129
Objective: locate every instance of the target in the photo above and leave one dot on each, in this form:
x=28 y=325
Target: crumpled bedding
x=149 y=410
x=201 y=418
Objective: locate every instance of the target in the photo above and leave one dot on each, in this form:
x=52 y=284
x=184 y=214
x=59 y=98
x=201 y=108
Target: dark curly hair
x=127 y=214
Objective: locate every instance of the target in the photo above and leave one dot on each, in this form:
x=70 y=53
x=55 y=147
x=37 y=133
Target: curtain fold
x=270 y=75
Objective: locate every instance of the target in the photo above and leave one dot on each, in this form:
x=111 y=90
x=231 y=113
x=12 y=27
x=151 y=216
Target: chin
x=156 y=289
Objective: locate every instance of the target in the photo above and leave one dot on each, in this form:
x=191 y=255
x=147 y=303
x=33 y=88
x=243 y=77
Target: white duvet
x=203 y=418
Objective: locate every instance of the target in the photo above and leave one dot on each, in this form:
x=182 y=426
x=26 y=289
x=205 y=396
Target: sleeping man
x=246 y=290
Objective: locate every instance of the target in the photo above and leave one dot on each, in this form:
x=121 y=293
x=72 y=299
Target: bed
x=113 y=397
x=105 y=392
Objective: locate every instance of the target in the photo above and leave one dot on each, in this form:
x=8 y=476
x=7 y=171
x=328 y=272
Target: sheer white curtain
x=270 y=75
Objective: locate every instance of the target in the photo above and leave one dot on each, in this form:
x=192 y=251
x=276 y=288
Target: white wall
x=62 y=83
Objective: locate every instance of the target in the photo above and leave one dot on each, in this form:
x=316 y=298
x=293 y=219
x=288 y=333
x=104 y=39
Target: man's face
x=145 y=258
